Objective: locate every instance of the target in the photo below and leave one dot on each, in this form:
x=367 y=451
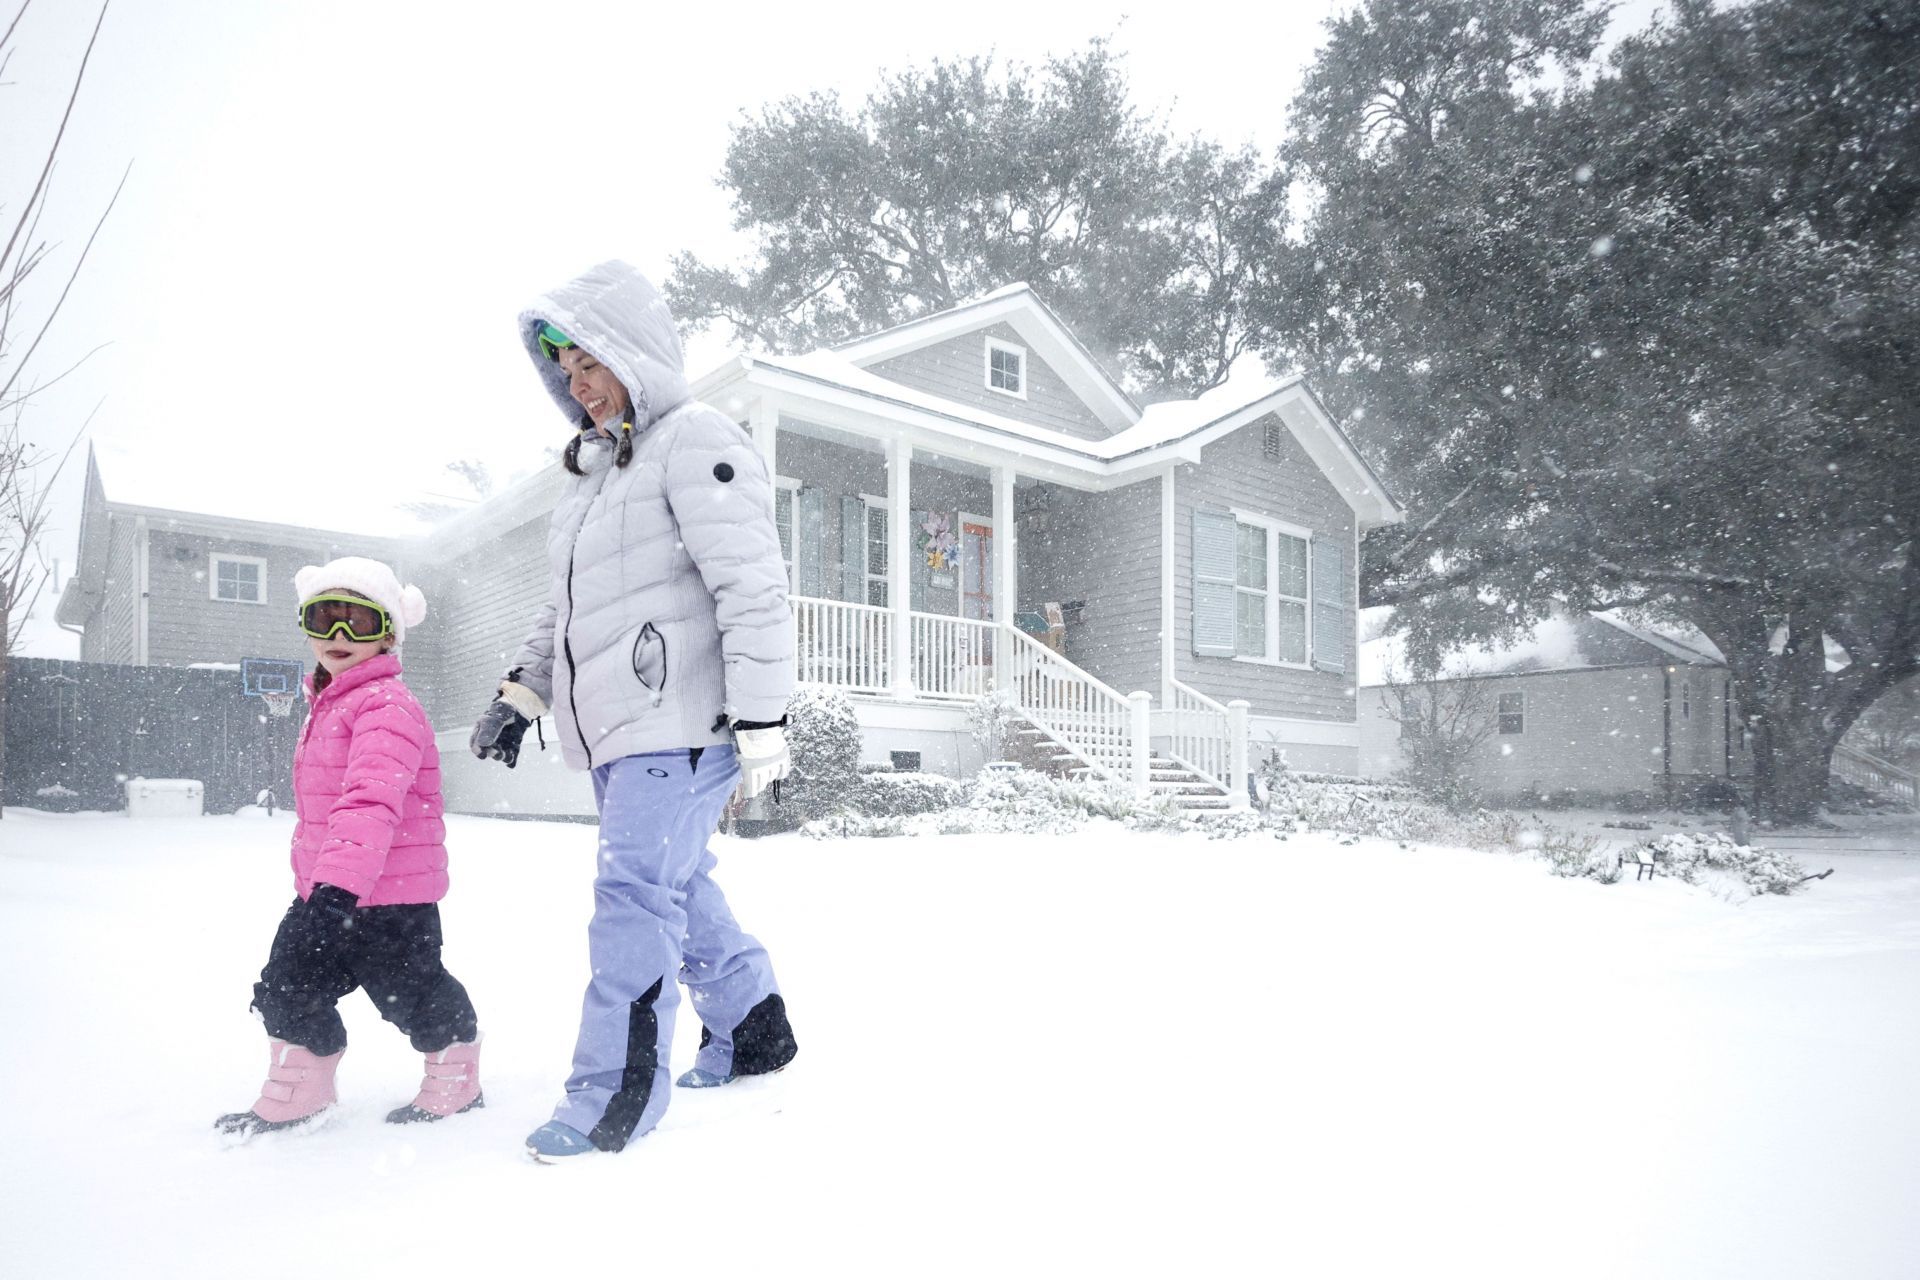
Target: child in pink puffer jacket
x=369 y=865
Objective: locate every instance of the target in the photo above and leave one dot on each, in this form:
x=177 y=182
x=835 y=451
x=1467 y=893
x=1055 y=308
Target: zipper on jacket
x=566 y=646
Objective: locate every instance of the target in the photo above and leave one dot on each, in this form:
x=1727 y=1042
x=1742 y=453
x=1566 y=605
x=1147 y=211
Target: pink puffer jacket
x=366 y=786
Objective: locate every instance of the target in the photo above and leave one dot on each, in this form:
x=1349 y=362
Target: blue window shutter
x=810 y=542
x=1330 y=630
x=853 y=549
x=1213 y=566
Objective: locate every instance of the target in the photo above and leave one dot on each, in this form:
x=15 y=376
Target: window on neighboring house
x=1513 y=713
x=783 y=500
x=876 y=554
x=241 y=579
x=1006 y=367
x=1686 y=699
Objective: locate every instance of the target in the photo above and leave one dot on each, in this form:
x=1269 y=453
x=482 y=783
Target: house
x=155 y=587
x=1587 y=705
x=945 y=490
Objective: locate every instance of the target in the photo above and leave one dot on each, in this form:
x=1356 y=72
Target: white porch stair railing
x=1110 y=733
x=1869 y=772
x=1207 y=738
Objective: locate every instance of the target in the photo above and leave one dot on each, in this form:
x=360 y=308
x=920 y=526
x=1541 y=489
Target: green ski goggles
x=362 y=621
x=553 y=342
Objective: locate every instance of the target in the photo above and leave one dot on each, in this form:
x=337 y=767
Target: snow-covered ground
x=1104 y=1054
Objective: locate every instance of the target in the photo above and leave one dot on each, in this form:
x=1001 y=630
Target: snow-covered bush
x=900 y=795
x=823 y=733
x=1573 y=856
x=990 y=719
x=1713 y=856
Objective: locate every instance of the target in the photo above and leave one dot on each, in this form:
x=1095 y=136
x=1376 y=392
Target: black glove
x=498 y=733
x=325 y=920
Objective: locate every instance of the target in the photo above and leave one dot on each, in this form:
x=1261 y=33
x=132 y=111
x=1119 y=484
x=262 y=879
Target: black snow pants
x=393 y=952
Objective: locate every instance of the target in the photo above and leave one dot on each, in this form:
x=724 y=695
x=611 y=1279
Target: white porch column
x=1006 y=575
x=763 y=423
x=1237 y=753
x=1140 y=708
x=1167 y=642
x=899 y=548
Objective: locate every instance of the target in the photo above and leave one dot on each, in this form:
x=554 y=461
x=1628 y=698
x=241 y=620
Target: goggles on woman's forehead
x=362 y=621
x=553 y=342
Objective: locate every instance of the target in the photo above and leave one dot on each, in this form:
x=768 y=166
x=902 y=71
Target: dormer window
x=1006 y=368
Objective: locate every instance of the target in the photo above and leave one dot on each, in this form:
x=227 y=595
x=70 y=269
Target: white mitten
x=763 y=758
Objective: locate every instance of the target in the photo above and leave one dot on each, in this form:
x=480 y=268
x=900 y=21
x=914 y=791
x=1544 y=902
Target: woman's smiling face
x=593 y=385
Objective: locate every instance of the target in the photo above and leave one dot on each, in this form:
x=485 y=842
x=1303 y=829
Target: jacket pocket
x=650 y=660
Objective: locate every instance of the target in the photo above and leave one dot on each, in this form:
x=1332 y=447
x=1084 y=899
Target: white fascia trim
x=1324 y=443
x=878 y=712
x=831 y=405
x=1289 y=730
x=1034 y=322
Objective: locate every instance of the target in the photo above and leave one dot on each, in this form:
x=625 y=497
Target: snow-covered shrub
x=1022 y=801
x=990 y=719
x=1709 y=856
x=1573 y=856
x=847 y=824
x=899 y=795
x=823 y=733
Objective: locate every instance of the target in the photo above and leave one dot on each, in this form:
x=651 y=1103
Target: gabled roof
x=1170 y=431
x=1020 y=308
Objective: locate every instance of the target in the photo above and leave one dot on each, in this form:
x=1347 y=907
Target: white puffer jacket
x=669 y=616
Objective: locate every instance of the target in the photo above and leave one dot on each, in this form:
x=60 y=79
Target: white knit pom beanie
x=369 y=578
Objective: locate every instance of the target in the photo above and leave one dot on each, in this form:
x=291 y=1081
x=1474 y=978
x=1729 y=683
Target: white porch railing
x=950 y=657
x=841 y=644
x=1871 y=773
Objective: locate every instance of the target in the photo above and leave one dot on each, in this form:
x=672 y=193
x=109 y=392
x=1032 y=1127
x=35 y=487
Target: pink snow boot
x=299 y=1087
x=452 y=1085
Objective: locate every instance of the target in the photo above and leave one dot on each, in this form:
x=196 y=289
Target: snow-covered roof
x=1565 y=641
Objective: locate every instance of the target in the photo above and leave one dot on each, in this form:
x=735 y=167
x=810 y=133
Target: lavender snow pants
x=657 y=915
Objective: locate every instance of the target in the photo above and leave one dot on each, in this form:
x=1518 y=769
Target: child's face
x=339 y=653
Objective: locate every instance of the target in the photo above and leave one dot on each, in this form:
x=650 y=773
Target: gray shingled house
x=968 y=504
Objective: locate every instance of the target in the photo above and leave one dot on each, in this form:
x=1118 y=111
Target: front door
x=976 y=567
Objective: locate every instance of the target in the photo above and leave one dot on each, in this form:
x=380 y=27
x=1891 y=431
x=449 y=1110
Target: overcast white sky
x=335 y=208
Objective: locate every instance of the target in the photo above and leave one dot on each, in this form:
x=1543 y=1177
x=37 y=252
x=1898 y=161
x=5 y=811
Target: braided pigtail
x=623 y=452
x=571 y=458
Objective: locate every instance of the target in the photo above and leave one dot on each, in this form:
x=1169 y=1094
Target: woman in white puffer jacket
x=665 y=655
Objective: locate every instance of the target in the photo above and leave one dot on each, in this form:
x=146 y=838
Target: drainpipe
x=1666 y=735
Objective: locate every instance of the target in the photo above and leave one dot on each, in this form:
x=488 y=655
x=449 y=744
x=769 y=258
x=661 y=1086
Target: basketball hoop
x=279 y=705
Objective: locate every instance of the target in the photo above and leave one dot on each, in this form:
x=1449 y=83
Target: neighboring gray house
x=944 y=489
x=1588 y=705
x=164 y=588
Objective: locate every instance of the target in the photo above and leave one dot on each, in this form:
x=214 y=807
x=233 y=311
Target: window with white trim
x=1270 y=592
x=1006 y=368
x=1513 y=712
x=876 y=543
x=239 y=579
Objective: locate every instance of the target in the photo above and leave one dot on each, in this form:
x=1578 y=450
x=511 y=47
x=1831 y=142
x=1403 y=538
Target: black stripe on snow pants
x=393 y=952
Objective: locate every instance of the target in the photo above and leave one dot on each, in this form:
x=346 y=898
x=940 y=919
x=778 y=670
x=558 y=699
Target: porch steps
x=1188 y=791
